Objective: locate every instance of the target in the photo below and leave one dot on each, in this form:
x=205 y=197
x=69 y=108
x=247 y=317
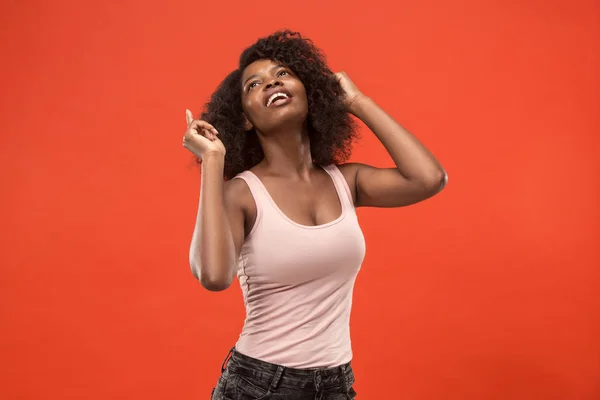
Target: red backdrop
x=487 y=291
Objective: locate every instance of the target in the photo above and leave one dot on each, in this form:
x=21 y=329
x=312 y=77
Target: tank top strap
x=260 y=195
x=257 y=188
x=340 y=184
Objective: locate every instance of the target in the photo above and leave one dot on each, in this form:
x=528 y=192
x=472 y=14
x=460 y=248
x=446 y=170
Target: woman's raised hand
x=201 y=137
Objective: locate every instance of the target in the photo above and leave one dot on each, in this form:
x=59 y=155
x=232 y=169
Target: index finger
x=189 y=117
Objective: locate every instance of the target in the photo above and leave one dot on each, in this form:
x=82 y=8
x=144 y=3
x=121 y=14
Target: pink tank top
x=297 y=282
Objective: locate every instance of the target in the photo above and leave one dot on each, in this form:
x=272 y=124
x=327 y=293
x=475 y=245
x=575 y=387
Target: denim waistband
x=237 y=362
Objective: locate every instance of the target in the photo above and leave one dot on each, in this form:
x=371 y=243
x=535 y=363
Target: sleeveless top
x=297 y=282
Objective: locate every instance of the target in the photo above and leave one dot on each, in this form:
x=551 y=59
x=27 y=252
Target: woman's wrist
x=213 y=156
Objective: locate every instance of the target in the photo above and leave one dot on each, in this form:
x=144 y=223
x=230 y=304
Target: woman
x=279 y=129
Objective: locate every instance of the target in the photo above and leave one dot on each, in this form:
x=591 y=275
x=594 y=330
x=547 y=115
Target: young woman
x=277 y=208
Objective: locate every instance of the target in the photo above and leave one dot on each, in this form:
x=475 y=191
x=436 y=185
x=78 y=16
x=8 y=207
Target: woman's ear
x=247 y=124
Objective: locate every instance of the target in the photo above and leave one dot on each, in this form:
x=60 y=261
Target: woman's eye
x=280 y=73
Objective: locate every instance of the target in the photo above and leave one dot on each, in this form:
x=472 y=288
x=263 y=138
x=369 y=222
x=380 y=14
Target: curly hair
x=331 y=129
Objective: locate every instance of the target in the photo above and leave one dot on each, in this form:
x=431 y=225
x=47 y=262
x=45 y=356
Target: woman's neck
x=287 y=153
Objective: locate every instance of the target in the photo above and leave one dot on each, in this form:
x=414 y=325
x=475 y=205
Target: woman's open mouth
x=278 y=98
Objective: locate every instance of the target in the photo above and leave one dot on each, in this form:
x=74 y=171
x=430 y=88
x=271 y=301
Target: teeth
x=276 y=95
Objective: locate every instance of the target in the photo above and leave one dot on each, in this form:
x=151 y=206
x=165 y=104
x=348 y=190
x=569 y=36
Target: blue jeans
x=246 y=378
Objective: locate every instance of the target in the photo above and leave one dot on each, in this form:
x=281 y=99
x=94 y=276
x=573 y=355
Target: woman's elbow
x=436 y=183
x=213 y=283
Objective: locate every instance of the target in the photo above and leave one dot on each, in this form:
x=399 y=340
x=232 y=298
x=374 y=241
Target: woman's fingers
x=202 y=132
x=199 y=124
x=209 y=134
x=188 y=117
x=196 y=126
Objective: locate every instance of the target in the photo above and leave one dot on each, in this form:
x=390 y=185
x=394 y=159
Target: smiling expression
x=272 y=95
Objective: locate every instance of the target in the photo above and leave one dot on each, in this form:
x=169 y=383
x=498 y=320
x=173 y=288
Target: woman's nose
x=274 y=82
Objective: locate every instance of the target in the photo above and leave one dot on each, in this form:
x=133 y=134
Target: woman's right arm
x=219 y=230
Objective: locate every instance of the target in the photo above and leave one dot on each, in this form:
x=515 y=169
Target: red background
x=489 y=290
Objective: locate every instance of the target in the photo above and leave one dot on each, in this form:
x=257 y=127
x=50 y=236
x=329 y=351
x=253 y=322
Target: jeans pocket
x=220 y=391
x=248 y=389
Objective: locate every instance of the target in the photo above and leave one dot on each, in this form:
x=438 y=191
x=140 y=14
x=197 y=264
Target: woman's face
x=272 y=95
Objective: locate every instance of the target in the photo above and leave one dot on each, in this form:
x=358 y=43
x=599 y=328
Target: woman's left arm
x=417 y=176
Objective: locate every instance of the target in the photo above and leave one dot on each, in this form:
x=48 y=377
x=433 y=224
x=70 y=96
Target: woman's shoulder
x=237 y=193
x=349 y=171
x=238 y=198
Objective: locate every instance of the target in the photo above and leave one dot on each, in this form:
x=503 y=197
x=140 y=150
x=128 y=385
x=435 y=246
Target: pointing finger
x=189 y=117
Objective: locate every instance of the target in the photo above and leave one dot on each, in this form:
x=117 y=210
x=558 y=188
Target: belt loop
x=276 y=379
x=227 y=358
